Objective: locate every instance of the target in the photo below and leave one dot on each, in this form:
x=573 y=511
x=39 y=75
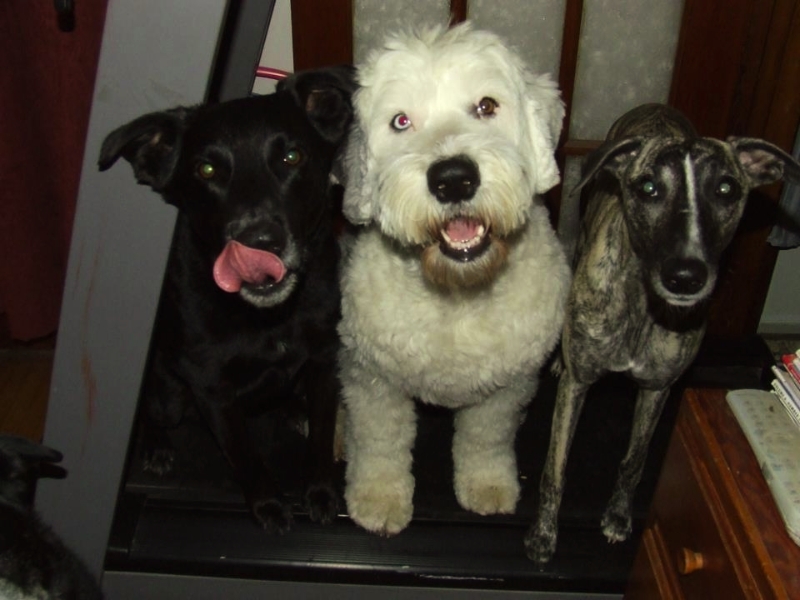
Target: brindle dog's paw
x=616 y=526
x=322 y=503
x=272 y=515
x=540 y=543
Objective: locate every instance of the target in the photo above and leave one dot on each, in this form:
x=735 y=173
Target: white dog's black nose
x=453 y=179
x=684 y=276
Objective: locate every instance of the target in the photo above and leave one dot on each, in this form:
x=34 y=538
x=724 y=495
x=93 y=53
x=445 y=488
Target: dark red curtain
x=46 y=81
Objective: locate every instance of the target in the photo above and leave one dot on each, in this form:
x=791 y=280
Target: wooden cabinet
x=714 y=530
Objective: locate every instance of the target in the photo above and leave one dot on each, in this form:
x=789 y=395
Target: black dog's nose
x=272 y=238
x=453 y=179
x=684 y=275
x=269 y=236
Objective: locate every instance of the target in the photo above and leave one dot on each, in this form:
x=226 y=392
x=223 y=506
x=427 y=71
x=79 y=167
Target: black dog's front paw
x=322 y=503
x=273 y=515
x=159 y=461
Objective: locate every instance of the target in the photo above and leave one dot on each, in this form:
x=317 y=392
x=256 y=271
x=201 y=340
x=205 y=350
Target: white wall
x=277 y=52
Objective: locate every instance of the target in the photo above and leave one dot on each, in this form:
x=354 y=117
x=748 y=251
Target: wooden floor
x=24 y=387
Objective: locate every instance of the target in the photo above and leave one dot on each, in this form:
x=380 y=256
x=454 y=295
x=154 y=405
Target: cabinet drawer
x=687 y=516
x=653 y=575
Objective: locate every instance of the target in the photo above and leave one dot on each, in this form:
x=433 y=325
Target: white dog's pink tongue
x=239 y=263
x=463 y=230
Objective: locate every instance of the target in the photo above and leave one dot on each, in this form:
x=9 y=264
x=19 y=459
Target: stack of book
x=786 y=384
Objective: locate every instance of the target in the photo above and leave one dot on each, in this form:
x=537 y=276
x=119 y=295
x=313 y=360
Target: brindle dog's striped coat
x=663 y=206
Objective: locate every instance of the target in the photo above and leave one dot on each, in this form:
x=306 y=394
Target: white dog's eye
x=400 y=122
x=486 y=107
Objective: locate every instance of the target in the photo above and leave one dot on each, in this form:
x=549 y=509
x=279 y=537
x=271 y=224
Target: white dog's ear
x=358 y=193
x=545 y=112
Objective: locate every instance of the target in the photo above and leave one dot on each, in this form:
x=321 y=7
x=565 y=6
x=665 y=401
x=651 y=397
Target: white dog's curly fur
x=455 y=301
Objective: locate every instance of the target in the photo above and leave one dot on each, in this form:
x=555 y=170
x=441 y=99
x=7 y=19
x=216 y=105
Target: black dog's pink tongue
x=239 y=263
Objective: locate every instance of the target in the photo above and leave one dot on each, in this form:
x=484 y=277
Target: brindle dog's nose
x=684 y=275
x=453 y=179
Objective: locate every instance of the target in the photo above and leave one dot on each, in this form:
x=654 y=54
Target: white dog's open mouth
x=464 y=238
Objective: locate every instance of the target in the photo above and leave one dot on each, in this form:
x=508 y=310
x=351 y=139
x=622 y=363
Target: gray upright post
x=155 y=55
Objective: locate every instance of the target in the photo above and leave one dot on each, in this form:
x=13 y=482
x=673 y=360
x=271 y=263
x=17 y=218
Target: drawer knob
x=689 y=561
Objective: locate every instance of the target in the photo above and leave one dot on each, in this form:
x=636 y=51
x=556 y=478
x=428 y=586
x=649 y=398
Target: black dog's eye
x=487 y=107
x=401 y=122
x=205 y=170
x=293 y=157
x=648 y=188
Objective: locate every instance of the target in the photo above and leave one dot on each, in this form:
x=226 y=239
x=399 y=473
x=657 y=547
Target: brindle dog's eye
x=487 y=107
x=293 y=157
x=205 y=170
x=648 y=188
x=726 y=188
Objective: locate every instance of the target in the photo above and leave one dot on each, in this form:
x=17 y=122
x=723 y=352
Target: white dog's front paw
x=487 y=493
x=381 y=507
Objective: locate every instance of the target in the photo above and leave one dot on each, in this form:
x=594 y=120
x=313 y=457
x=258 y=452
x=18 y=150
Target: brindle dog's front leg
x=540 y=541
x=227 y=422
x=616 y=521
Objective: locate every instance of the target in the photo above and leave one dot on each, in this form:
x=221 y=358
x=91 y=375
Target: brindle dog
x=663 y=206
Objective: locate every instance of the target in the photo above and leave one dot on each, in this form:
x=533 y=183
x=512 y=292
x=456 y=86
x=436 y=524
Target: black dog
x=248 y=314
x=34 y=562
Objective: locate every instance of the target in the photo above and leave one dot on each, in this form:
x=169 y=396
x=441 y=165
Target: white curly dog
x=453 y=293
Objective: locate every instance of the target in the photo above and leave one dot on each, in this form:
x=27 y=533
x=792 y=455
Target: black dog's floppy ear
x=763 y=162
x=325 y=94
x=150 y=143
x=611 y=155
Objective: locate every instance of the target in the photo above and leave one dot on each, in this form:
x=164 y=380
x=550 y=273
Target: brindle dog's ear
x=764 y=163
x=325 y=94
x=150 y=143
x=612 y=155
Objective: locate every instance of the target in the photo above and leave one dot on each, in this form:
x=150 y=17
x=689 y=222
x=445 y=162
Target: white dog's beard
x=444 y=267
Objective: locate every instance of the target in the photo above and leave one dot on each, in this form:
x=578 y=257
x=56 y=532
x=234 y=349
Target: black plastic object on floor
x=196 y=523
